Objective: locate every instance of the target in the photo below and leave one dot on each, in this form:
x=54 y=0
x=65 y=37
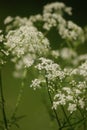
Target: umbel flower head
x=65 y=85
x=49 y=70
x=53 y=17
x=25 y=44
x=73 y=96
x=52 y=70
x=73 y=92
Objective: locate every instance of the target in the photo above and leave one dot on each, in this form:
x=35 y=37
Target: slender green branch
x=84 y=124
x=57 y=118
x=73 y=124
x=83 y=116
x=18 y=99
x=66 y=117
x=17 y=104
x=3 y=104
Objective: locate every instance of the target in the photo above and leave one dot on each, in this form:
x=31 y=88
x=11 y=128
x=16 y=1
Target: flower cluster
x=67 y=57
x=51 y=69
x=73 y=96
x=25 y=44
x=37 y=83
x=1 y=36
x=71 y=32
x=50 y=72
x=64 y=53
x=73 y=93
x=81 y=70
x=3 y=50
x=53 y=16
x=12 y=23
x=57 y=7
x=65 y=84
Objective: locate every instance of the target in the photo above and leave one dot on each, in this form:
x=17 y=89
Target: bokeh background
x=34 y=105
x=27 y=7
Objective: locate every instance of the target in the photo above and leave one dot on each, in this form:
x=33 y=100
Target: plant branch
x=17 y=104
x=57 y=118
x=66 y=117
x=3 y=104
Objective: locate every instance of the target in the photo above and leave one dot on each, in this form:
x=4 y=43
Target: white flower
x=0 y=31
x=67 y=53
x=55 y=53
x=83 y=69
x=36 y=83
x=71 y=31
x=81 y=103
x=80 y=70
x=69 y=98
x=55 y=105
x=26 y=44
x=26 y=39
x=68 y=90
x=59 y=99
x=82 y=57
x=82 y=85
x=72 y=107
x=1 y=37
x=8 y=20
x=52 y=20
x=57 y=7
x=74 y=95
x=53 y=70
x=36 y=18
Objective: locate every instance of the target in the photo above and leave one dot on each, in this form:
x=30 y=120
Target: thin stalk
x=19 y=97
x=84 y=123
x=18 y=100
x=3 y=104
x=66 y=117
x=73 y=124
x=57 y=118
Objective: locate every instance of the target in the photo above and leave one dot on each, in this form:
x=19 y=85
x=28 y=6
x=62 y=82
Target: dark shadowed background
x=27 y=7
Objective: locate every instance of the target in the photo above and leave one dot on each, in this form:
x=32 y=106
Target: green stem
x=66 y=117
x=84 y=120
x=73 y=124
x=3 y=104
x=83 y=116
x=84 y=125
x=18 y=99
x=57 y=118
x=17 y=104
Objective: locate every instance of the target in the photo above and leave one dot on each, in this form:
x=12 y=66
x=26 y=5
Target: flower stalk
x=56 y=115
x=3 y=104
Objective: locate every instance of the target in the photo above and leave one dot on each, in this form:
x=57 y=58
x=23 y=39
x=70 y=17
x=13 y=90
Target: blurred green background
x=34 y=105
